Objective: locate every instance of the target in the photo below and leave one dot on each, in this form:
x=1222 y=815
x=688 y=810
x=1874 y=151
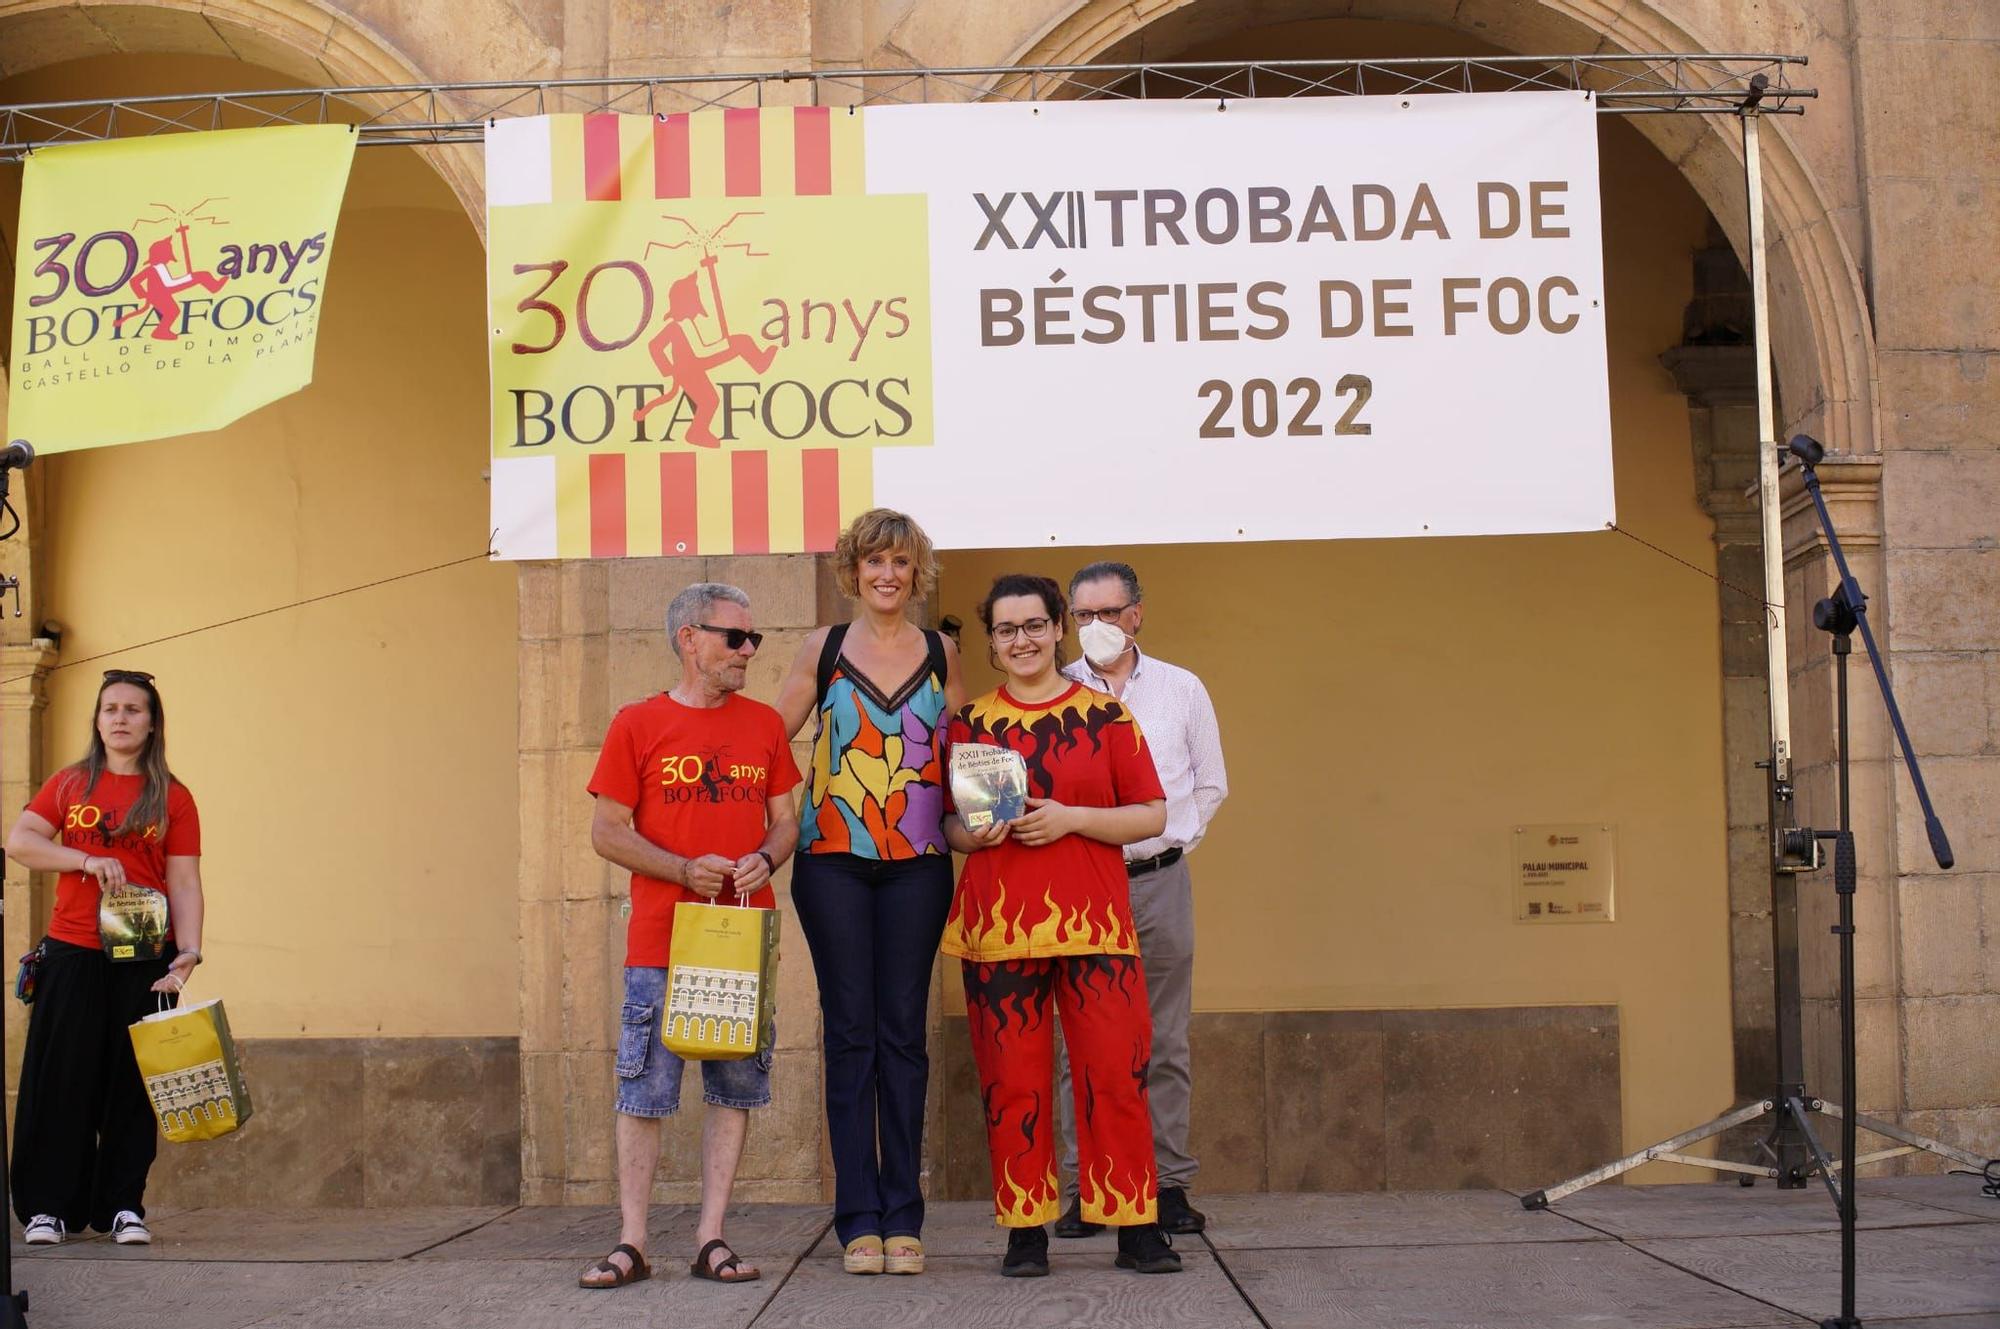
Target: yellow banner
x=169 y=285
x=702 y=330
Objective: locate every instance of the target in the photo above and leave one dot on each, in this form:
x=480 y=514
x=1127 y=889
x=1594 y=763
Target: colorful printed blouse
x=876 y=785
x=1014 y=902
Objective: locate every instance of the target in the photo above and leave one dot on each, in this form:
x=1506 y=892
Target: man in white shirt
x=1178 y=719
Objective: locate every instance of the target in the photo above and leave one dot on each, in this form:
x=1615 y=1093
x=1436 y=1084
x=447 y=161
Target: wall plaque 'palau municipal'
x=1564 y=874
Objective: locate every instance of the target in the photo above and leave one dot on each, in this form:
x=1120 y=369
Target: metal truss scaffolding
x=442 y=113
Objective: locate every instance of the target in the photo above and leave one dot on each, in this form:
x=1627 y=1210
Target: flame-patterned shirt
x=1082 y=748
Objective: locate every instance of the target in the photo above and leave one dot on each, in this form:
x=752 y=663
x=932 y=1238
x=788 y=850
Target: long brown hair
x=150 y=811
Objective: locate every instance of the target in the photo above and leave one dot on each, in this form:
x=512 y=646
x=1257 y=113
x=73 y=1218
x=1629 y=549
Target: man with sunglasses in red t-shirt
x=691 y=799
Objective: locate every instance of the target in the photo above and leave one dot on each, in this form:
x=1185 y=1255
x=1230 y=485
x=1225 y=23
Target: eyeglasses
x=1034 y=630
x=734 y=638
x=127 y=676
x=1086 y=616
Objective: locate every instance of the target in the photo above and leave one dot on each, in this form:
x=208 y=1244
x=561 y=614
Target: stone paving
x=1663 y=1257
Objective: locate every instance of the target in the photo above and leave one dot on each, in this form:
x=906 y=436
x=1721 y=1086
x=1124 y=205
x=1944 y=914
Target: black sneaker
x=1027 y=1253
x=1147 y=1249
x=1177 y=1215
x=1071 y=1223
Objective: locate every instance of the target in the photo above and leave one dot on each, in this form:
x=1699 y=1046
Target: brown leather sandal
x=728 y=1270
x=638 y=1273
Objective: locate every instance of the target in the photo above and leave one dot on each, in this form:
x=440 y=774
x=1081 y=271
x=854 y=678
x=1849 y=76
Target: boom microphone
x=16 y=455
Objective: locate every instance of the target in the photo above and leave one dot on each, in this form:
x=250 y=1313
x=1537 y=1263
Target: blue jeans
x=873 y=926
x=649 y=1072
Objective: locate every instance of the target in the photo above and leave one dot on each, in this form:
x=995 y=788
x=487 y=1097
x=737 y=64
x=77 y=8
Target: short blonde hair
x=880 y=529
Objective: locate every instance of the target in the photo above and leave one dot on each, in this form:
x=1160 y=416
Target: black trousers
x=84 y=1132
x=873 y=927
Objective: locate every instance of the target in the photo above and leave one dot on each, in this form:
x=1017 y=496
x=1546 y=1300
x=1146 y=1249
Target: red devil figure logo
x=155 y=284
x=686 y=367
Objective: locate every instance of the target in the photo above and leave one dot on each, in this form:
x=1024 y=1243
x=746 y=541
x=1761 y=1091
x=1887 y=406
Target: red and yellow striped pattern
x=699 y=500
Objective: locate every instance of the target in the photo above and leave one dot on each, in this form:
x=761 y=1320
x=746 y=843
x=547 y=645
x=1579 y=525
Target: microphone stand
x=1793 y=1150
x=1839 y=615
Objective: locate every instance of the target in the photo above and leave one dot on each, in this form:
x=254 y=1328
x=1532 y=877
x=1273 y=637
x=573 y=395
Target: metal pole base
x=14 y=1311
x=1841 y=1322
x=1798 y=1111
x=1666 y=1151
x=1911 y=1141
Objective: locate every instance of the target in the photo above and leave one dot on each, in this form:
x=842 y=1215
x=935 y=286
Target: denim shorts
x=649 y=1073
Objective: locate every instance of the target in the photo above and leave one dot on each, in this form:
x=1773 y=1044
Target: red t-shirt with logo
x=89 y=821
x=698 y=779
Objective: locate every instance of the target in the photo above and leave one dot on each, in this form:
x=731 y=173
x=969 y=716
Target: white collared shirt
x=1178 y=719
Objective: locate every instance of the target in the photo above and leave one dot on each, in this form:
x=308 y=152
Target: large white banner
x=1067 y=323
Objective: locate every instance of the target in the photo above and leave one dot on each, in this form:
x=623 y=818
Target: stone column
x=26 y=657
x=24 y=671
x=1927 y=187
x=591 y=639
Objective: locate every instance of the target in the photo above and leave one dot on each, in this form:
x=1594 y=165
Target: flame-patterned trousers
x=1101 y=1000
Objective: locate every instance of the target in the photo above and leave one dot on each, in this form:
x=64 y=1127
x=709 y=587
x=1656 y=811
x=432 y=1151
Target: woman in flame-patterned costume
x=1043 y=924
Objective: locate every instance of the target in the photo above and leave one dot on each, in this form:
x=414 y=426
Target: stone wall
x=345 y=1122
x=1361 y=1100
x=1930 y=176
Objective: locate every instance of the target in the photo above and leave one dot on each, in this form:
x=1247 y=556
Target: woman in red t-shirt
x=1043 y=924
x=85 y=1135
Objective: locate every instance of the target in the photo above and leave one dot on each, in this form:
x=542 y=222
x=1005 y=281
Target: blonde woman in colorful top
x=872 y=879
x=1043 y=923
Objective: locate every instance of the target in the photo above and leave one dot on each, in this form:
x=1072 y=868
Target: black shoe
x=1027 y=1253
x=1147 y=1249
x=1071 y=1223
x=1177 y=1215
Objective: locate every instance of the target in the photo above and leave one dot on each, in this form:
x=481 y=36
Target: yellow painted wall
x=354 y=760
x=1392 y=709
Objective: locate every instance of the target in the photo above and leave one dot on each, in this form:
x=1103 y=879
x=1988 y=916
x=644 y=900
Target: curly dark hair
x=1026 y=583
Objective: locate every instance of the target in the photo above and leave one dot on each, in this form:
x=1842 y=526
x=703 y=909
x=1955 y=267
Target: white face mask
x=1102 y=642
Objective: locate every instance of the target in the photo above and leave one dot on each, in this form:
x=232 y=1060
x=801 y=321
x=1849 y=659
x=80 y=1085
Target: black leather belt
x=1139 y=867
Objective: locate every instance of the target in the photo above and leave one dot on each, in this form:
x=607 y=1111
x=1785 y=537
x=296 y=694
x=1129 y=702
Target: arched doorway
x=1437 y=693
x=353 y=755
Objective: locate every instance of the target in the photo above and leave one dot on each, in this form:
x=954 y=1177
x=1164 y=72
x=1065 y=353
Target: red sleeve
x=956 y=732
x=1133 y=776
x=183 y=823
x=48 y=802
x=784 y=771
x=617 y=773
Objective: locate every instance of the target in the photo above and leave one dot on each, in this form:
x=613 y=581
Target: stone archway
x=1821 y=331
x=1822 y=337
x=313 y=44
x=338 y=1090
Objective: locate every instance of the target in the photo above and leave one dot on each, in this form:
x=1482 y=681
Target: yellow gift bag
x=188 y=1061
x=722 y=982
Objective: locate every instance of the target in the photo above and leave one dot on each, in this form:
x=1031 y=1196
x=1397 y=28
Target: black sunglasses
x=127 y=676
x=734 y=638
